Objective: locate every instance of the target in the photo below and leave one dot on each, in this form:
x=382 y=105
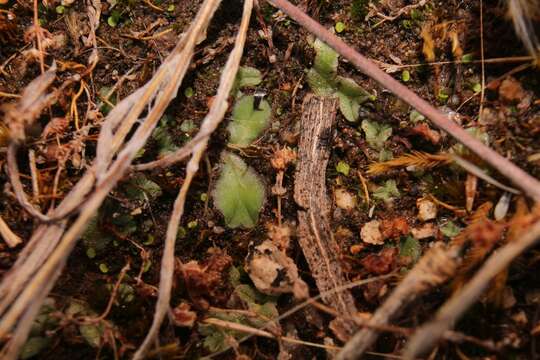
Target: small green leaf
x=406 y=23
x=126 y=293
x=467 y=58
x=234 y=276
x=182 y=232
x=478 y=133
x=188 y=92
x=343 y=168
x=326 y=59
x=60 y=9
x=91 y=253
x=125 y=224
x=376 y=134
x=248 y=76
x=349 y=107
x=146 y=266
x=187 y=126
x=351 y=95
x=214 y=340
x=92 y=334
x=239 y=193
x=104 y=107
x=33 y=347
x=76 y=308
x=349 y=87
x=450 y=229
x=340 y=27
x=385 y=155
x=192 y=224
x=114 y=18
x=405 y=75
x=93 y=237
x=442 y=95
x=410 y=248
x=140 y=188
x=149 y=239
x=103 y=268
x=170 y=8
x=416 y=15
x=415 y=116
x=247 y=122
x=320 y=85
x=387 y=191
x=162 y=137
x=477 y=88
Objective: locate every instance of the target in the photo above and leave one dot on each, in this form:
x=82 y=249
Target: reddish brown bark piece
x=315 y=234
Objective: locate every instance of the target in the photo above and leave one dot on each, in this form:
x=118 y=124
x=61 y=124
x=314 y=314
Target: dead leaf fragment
x=511 y=91
x=207 y=281
x=344 y=199
x=371 y=234
x=425 y=231
x=471 y=184
x=57 y=126
x=182 y=315
x=280 y=235
x=427 y=209
x=427 y=133
x=394 y=228
x=273 y=272
x=282 y=158
x=381 y=263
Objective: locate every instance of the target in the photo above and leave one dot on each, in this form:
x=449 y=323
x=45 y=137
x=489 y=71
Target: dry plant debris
x=266 y=185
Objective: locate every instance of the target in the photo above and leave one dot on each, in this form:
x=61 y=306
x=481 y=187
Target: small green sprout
x=340 y=27
x=386 y=192
x=405 y=75
x=343 y=168
x=450 y=229
x=103 y=268
x=188 y=92
x=247 y=121
x=239 y=193
x=324 y=81
x=376 y=134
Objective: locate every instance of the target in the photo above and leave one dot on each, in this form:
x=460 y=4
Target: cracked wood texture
x=314 y=231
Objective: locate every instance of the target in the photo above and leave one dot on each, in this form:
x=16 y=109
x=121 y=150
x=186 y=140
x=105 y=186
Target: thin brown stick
x=428 y=335
x=520 y=178
x=482 y=63
x=210 y=123
x=34 y=174
x=112 y=298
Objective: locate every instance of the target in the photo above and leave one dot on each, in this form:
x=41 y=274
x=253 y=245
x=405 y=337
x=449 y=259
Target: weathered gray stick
x=315 y=233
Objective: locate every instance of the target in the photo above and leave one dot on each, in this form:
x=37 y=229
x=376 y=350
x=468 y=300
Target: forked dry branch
x=29 y=284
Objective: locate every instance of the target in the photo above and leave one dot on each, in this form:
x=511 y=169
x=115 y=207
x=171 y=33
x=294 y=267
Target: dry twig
x=428 y=335
x=435 y=267
x=9 y=236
